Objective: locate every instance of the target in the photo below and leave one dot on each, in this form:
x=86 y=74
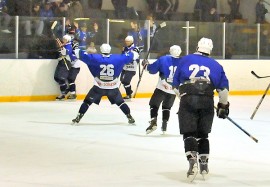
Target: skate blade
x=204 y=175
x=59 y=99
x=127 y=100
x=149 y=131
x=193 y=176
x=71 y=100
x=74 y=123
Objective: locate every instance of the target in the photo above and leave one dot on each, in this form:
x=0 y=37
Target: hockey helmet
x=67 y=38
x=205 y=45
x=70 y=29
x=105 y=48
x=175 y=51
x=129 y=39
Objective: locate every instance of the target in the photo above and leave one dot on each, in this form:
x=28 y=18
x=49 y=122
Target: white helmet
x=205 y=45
x=105 y=48
x=67 y=38
x=175 y=51
x=129 y=39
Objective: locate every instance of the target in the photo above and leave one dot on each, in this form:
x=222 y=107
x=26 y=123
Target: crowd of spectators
x=36 y=17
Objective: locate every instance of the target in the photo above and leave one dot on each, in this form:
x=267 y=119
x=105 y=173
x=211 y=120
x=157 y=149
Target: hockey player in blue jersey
x=195 y=79
x=129 y=69
x=64 y=64
x=165 y=66
x=106 y=69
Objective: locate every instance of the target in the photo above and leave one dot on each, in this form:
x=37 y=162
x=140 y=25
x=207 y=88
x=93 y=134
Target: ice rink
x=39 y=147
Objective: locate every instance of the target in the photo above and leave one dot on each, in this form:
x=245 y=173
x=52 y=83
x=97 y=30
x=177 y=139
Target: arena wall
x=32 y=80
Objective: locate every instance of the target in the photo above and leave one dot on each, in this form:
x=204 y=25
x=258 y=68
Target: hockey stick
x=163 y=24
x=59 y=43
x=257 y=107
x=252 y=137
x=228 y=118
x=257 y=76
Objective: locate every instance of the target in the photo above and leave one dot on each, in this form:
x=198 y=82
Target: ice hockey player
x=75 y=66
x=165 y=66
x=198 y=76
x=129 y=69
x=66 y=55
x=106 y=69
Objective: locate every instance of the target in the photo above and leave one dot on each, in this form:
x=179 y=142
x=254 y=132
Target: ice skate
x=127 y=98
x=193 y=167
x=153 y=126
x=77 y=119
x=164 y=126
x=130 y=119
x=60 y=97
x=72 y=97
x=203 y=164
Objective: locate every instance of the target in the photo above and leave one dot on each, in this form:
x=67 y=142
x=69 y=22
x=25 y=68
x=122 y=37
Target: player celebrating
x=165 y=66
x=198 y=76
x=106 y=69
x=129 y=69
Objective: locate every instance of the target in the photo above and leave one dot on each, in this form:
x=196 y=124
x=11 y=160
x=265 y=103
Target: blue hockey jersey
x=166 y=66
x=132 y=66
x=197 y=65
x=67 y=52
x=106 y=68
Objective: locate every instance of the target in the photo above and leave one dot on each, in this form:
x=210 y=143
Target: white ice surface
x=39 y=147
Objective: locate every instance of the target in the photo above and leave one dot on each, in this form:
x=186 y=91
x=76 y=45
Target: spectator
x=214 y=16
x=60 y=9
x=75 y=10
x=46 y=13
x=234 y=13
x=205 y=7
x=120 y=7
x=95 y=34
x=95 y=4
x=156 y=44
x=37 y=23
x=5 y=15
x=138 y=34
x=260 y=12
x=23 y=9
x=151 y=6
x=264 y=44
x=83 y=36
x=163 y=8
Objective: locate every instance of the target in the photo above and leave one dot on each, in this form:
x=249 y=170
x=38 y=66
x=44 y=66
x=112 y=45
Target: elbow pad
x=223 y=95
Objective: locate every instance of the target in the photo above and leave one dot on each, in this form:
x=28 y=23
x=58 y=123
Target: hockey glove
x=223 y=110
x=145 y=62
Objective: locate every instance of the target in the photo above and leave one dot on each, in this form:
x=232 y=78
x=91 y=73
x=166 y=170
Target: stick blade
x=163 y=24
x=53 y=25
x=253 y=73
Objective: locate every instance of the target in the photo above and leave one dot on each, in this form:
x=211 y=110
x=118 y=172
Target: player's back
x=198 y=65
x=111 y=64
